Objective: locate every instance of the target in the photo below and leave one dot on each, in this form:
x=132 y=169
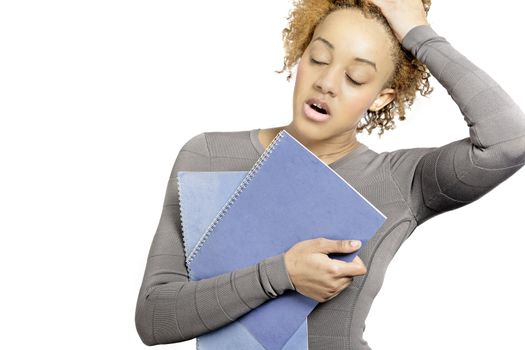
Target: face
x=334 y=69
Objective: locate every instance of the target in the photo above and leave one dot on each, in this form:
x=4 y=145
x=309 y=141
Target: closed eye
x=316 y=62
x=350 y=79
x=353 y=81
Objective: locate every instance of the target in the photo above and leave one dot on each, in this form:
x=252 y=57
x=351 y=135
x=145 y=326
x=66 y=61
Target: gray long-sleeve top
x=408 y=185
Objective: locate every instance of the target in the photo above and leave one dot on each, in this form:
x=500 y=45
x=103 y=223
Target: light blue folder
x=288 y=196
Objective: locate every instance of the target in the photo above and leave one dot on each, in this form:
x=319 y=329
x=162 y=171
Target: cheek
x=356 y=104
x=301 y=64
x=300 y=78
x=300 y=72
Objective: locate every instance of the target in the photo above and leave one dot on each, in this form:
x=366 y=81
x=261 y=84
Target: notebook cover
x=288 y=196
x=201 y=197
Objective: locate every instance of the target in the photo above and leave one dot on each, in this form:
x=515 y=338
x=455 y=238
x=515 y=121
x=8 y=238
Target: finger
x=324 y=245
x=345 y=283
x=357 y=260
x=347 y=269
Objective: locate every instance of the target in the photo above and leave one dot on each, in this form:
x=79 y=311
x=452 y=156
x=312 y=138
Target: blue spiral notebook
x=288 y=196
x=201 y=197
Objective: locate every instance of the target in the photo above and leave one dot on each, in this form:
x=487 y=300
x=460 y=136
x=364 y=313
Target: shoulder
x=399 y=160
x=220 y=145
x=407 y=157
x=196 y=144
x=237 y=144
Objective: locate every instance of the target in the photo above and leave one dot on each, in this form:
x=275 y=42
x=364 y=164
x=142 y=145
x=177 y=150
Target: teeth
x=320 y=107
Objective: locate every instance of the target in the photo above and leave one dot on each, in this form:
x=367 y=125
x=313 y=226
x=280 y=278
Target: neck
x=328 y=150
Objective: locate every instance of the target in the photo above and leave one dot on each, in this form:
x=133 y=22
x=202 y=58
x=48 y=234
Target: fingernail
x=356 y=243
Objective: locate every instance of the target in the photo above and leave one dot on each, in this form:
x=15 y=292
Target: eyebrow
x=360 y=59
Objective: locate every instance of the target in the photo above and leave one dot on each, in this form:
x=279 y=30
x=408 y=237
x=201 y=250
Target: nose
x=327 y=82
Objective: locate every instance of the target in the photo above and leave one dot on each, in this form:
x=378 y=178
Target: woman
x=360 y=64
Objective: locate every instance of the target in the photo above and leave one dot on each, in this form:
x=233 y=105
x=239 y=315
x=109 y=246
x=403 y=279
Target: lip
x=319 y=102
x=312 y=114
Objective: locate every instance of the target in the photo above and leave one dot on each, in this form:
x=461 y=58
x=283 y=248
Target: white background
x=96 y=99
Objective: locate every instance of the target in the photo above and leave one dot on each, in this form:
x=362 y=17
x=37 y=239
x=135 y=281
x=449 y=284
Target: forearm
x=171 y=308
x=179 y=310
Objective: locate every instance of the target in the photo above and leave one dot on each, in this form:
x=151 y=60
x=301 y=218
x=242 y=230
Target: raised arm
x=171 y=308
x=435 y=180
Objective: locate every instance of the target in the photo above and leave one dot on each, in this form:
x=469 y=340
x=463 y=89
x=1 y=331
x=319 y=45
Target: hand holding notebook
x=287 y=197
x=312 y=272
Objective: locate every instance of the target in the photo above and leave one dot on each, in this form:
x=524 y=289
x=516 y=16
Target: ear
x=385 y=97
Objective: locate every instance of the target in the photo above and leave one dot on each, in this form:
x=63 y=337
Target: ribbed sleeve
x=453 y=175
x=171 y=308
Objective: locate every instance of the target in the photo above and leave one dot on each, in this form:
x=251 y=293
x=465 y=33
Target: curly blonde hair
x=409 y=76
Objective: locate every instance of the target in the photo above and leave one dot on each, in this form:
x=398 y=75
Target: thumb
x=337 y=245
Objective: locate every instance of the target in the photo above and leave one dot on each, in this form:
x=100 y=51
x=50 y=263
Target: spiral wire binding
x=179 y=189
x=236 y=195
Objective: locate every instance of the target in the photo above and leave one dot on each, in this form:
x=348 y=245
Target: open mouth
x=318 y=105
x=315 y=112
x=318 y=109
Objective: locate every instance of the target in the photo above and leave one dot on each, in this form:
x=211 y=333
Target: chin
x=307 y=131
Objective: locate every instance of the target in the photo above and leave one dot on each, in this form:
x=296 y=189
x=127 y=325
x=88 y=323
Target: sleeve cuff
x=274 y=276
x=417 y=37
